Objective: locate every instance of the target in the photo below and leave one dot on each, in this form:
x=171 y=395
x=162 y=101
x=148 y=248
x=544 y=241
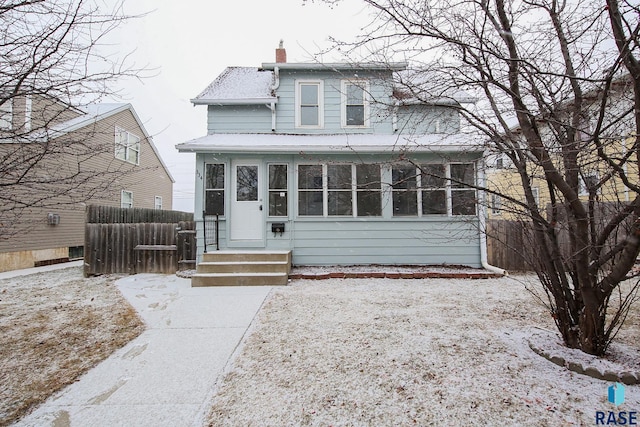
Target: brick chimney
x=281 y=53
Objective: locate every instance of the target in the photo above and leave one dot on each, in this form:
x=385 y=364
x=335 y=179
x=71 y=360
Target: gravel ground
x=364 y=352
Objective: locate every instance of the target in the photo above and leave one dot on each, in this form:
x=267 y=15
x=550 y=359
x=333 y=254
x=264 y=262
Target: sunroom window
x=405 y=201
x=278 y=190
x=433 y=182
x=339 y=190
x=463 y=196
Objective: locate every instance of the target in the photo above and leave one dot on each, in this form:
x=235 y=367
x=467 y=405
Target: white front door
x=247 y=216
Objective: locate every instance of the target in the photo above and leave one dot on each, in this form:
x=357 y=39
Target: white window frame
x=364 y=85
x=496 y=204
x=298 y=103
x=157 y=202
x=132 y=144
x=6 y=115
x=28 y=108
x=124 y=204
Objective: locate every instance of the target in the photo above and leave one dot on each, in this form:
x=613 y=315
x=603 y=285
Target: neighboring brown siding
x=146 y=180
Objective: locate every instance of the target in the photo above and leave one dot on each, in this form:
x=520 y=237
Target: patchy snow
x=409 y=352
x=236 y=83
x=332 y=143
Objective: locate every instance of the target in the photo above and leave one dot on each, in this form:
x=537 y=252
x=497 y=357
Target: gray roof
x=239 y=85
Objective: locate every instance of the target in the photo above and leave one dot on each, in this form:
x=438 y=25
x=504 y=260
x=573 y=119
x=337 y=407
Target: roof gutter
x=241 y=101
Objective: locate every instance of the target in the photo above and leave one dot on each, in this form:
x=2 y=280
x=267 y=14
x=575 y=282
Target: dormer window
x=355 y=106
x=309 y=104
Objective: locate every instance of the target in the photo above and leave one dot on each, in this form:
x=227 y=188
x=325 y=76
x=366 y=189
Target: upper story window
x=157 y=202
x=355 y=106
x=127 y=146
x=6 y=115
x=309 y=104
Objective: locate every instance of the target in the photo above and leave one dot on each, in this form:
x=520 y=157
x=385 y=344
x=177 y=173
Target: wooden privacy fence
x=505 y=245
x=138 y=241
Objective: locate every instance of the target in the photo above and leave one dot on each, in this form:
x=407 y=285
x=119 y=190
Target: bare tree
x=558 y=90
x=53 y=66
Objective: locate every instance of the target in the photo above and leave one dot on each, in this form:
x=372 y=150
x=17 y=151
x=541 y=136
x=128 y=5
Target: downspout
x=274 y=88
x=482 y=222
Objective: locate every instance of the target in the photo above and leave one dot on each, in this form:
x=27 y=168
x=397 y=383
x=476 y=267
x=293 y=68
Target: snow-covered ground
x=383 y=352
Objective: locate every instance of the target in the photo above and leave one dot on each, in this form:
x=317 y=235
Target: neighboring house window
x=214 y=189
x=6 y=115
x=496 y=202
x=157 y=202
x=463 y=196
x=278 y=190
x=354 y=104
x=586 y=182
x=536 y=195
x=339 y=190
x=309 y=104
x=126 y=199
x=127 y=146
x=27 y=113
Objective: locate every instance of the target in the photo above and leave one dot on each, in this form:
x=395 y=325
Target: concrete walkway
x=166 y=376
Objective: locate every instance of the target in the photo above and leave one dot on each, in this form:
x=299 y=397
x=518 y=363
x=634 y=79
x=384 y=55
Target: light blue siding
x=430 y=240
x=386 y=242
x=239 y=119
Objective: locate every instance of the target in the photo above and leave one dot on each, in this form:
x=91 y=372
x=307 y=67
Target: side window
x=6 y=115
x=126 y=199
x=214 y=189
x=157 y=202
x=127 y=146
x=278 y=190
x=309 y=104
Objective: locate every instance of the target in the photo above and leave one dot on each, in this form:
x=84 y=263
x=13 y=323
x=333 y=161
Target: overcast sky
x=190 y=42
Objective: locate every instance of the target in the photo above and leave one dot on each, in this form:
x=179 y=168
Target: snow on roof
x=237 y=85
x=337 y=143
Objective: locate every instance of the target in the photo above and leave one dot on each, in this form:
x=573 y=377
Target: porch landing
x=243 y=268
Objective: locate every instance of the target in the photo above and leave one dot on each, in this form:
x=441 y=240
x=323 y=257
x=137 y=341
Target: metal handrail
x=216 y=229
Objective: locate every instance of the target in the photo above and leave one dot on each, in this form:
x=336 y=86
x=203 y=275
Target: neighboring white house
x=331 y=162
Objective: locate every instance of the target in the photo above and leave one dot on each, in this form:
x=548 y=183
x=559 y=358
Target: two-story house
x=98 y=154
x=333 y=162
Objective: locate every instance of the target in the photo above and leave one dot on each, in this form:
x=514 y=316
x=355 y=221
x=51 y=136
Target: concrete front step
x=237 y=256
x=243 y=267
x=239 y=279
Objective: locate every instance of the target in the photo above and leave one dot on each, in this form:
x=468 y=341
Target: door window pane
x=247 y=183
